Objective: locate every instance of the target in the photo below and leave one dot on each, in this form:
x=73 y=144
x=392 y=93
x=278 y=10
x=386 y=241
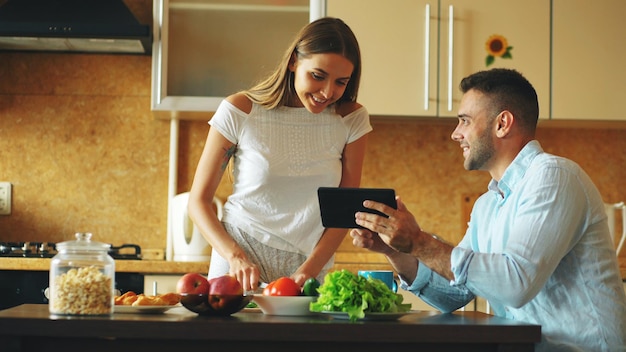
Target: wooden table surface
x=30 y=327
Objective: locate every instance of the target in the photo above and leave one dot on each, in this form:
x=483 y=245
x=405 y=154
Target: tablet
x=338 y=205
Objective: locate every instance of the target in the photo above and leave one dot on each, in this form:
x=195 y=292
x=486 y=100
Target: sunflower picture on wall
x=497 y=46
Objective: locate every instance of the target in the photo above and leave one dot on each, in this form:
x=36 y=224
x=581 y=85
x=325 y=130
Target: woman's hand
x=246 y=273
x=300 y=278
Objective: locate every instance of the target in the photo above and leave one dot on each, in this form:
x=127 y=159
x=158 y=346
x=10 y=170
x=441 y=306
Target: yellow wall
x=84 y=153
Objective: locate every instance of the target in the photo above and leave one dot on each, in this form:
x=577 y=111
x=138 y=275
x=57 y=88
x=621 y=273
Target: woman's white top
x=283 y=155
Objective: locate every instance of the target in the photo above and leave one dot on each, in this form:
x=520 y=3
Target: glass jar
x=82 y=278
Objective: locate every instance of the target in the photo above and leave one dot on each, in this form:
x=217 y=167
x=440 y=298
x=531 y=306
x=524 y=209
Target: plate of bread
x=130 y=302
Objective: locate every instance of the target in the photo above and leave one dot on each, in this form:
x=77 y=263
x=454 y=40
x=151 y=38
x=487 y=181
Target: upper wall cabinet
x=415 y=52
x=467 y=27
x=205 y=50
x=588 y=77
x=398 y=42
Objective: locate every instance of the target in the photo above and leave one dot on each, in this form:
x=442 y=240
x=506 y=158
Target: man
x=537 y=247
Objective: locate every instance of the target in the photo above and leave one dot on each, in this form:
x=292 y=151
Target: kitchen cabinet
x=18 y=286
x=415 y=52
x=398 y=43
x=204 y=50
x=588 y=80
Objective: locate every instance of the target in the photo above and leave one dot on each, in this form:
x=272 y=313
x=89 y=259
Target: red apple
x=193 y=283
x=225 y=293
x=225 y=285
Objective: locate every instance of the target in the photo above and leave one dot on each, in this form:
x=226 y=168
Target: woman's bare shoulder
x=347 y=107
x=240 y=101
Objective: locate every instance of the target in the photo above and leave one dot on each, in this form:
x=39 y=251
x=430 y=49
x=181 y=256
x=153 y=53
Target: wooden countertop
x=34 y=329
x=129 y=266
x=352 y=261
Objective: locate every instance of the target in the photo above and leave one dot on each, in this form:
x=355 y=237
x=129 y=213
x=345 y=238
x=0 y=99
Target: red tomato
x=266 y=289
x=284 y=286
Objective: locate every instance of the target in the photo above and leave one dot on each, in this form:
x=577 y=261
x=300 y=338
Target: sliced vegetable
x=344 y=291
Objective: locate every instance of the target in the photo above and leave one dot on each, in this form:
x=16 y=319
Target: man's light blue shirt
x=538 y=249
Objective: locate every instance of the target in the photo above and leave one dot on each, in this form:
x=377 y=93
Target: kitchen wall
x=84 y=153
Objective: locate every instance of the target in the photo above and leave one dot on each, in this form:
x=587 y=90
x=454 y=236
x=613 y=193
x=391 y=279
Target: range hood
x=89 y=26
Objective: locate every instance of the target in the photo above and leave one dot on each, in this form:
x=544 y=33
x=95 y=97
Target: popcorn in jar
x=82 y=278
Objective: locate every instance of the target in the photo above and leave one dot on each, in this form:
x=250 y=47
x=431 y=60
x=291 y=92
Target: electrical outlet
x=5 y=198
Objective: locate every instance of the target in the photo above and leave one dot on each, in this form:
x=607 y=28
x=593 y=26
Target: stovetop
x=28 y=249
x=48 y=250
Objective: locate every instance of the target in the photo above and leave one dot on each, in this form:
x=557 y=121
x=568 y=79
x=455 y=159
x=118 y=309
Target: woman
x=299 y=129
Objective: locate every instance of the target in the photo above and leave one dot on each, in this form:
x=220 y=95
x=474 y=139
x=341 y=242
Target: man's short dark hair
x=508 y=90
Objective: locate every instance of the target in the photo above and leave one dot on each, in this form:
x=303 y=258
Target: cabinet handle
x=157 y=55
x=450 y=52
x=317 y=9
x=426 y=57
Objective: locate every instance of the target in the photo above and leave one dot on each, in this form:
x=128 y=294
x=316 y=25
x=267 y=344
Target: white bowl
x=284 y=305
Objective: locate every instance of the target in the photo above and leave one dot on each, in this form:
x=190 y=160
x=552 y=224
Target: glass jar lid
x=83 y=243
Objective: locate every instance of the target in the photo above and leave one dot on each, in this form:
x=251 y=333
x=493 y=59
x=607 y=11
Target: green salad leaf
x=344 y=291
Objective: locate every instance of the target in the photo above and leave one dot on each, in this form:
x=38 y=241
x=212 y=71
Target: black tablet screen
x=338 y=205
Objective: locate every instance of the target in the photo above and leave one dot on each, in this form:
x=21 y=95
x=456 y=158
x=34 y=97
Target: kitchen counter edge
x=165 y=266
x=128 y=266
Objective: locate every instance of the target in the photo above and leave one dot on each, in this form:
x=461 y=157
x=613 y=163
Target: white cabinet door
x=525 y=24
x=415 y=54
x=205 y=50
x=398 y=42
x=588 y=75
